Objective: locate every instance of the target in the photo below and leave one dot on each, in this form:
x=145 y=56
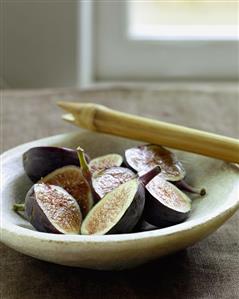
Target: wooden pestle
x=102 y=119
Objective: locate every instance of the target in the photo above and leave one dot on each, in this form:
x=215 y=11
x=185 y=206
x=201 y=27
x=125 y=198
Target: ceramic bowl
x=116 y=251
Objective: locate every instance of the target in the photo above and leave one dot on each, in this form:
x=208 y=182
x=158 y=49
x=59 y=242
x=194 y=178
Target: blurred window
x=143 y=40
x=183 y=19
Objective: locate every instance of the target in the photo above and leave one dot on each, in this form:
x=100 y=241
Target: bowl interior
x=220 y=179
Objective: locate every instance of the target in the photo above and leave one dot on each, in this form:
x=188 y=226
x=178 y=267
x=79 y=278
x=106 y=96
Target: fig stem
x=146 y=177
x=19 y=207
x=183 y=185
x=84 y=165
x=81 y=156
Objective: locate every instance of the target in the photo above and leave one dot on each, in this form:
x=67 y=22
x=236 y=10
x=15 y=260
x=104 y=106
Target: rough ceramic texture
x=117 y=251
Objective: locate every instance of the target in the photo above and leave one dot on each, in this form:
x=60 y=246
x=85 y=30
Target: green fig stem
x=81 y=156
x=84 y=165
x=19 y=207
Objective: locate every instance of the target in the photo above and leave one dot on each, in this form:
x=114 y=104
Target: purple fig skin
x=157 y=213
x=132 y=215
x=183 y=185
x=40 y=161
x=36 y=216
x=144 y=226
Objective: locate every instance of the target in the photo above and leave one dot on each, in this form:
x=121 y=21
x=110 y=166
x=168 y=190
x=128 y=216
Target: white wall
x=39 y=43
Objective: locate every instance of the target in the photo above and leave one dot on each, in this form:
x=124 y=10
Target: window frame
x=108 y=54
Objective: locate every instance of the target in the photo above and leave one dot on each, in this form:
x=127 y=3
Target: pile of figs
x=106 y=195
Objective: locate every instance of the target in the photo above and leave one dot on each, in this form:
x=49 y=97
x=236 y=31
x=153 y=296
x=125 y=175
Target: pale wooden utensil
x=102 y=119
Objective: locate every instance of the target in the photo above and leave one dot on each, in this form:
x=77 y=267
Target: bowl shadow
x=167 y=277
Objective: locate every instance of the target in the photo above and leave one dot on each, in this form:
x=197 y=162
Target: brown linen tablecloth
x=209 y=269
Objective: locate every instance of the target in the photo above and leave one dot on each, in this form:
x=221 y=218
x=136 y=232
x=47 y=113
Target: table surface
x=209 y=269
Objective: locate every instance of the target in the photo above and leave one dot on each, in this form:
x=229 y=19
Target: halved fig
x=40 y=161
x=145 y=157
x=53 y=210
x=117 y=212
x=73 y=181
x=165 y=204
x=107 y=180
x=183 y=185
x=105 y=162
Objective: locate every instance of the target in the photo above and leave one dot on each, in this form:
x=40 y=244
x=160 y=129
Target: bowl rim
x=6 y=227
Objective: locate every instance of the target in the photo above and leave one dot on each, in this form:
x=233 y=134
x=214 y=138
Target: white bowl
x=116 y=251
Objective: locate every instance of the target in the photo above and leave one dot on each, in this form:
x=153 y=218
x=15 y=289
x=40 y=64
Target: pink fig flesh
x=117 y=212
x=145 y=157
x=107 y=180
x=105 y=162
x=51 y=209
x=73 y=181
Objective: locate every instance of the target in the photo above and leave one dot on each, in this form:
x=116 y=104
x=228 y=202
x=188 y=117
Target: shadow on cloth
x=168 y=277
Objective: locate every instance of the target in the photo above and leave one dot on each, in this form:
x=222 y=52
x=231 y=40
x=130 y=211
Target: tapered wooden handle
x=102 y=119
